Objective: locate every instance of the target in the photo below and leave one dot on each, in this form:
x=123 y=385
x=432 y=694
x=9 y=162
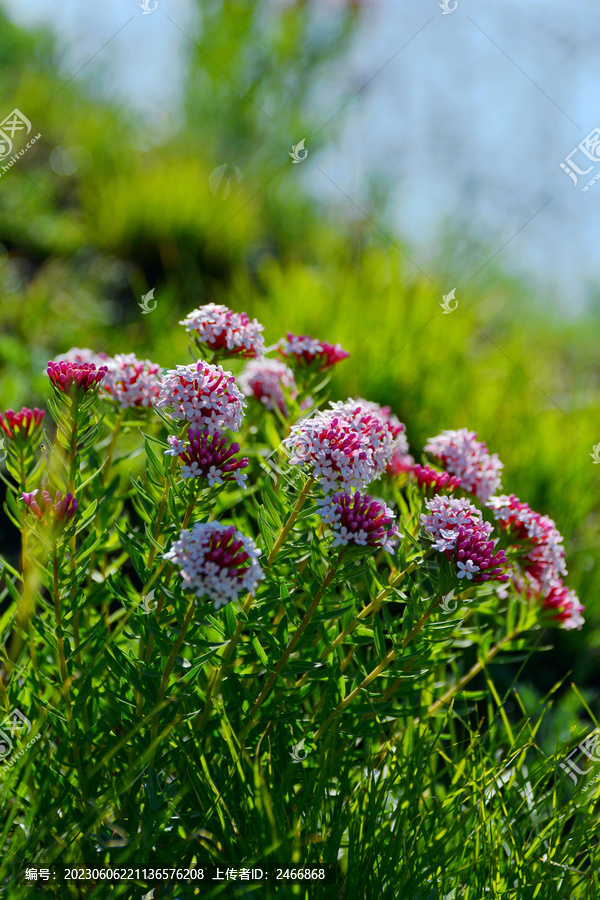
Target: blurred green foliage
x=99 y=211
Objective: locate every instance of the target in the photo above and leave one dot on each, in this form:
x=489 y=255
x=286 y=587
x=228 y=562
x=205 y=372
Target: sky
x=467 y=114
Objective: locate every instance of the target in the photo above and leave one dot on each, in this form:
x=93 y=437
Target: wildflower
x=204 y=395
x=461 y=534
x=61 y=508
x=462 y=455
x=208 y=456
x=347 y=445
x=562 y=605
x=434 y=482
x=66 y=375
x=82 y=355
x=132 y=382
x=543 y=556
x=21 y=424
x=361 y=520
x=222 y=329
x=266 y=379
x=306 y=351
x=216 y=561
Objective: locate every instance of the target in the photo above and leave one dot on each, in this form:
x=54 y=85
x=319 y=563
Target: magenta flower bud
x=208 y=455
x=360 y=520
x=66 y=375
x=434 y=482
x=307 y=351
x=21 y=424
x=61 y=509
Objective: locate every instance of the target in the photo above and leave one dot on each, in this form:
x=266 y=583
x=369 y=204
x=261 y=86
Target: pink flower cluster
x=21 y=424
x=307 y=351
x=222 y=329
x=208 y=456
x=543 y=556
x=434 y=482
x=132 y=382
x=59 y=509
x=217 y=562
x=347 y=446
x=460 y=532
x=204 y=395
x=462 y=455
x=266 y=379
x=84 y=376
x=361 y=520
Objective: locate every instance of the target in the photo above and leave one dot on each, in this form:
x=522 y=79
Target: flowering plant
x=301 y=600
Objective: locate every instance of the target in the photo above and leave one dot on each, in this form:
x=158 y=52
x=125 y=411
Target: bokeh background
x=434 y=143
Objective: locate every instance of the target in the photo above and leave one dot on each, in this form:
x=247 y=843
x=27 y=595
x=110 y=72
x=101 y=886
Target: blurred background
x=434 y=146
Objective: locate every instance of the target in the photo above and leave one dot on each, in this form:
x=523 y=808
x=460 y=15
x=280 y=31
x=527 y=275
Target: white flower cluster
x=204 y=395
x=131 y=381
x=222 y=329
x=463 y=455
x=217 y=562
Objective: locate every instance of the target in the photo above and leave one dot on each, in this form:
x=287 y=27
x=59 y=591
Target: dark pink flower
x=22 y=423
x=66 y=375
x=461 y=454
x=59 y=509
x=362 y=520
x=208 y=456
x=307 y=351
x=434 y=482
x=563 y=606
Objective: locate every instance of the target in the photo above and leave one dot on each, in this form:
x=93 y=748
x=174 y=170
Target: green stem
x=229 y=650
x=62 y=666
x=291 y=646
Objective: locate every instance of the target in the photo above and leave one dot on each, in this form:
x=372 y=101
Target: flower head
x=307 y=351
x=204 y=395
x=434 y=482
x=347 y=446
x=208 y=456
x=21 y=424
x=563 y=606
x=60 y=509
x=266 y=379
x=68 y=375
x=460 y=532
x=543 y=558
x=462 y=455
x=131 y=381
x=222 y=329
x=362 y=520
x=216 y=561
